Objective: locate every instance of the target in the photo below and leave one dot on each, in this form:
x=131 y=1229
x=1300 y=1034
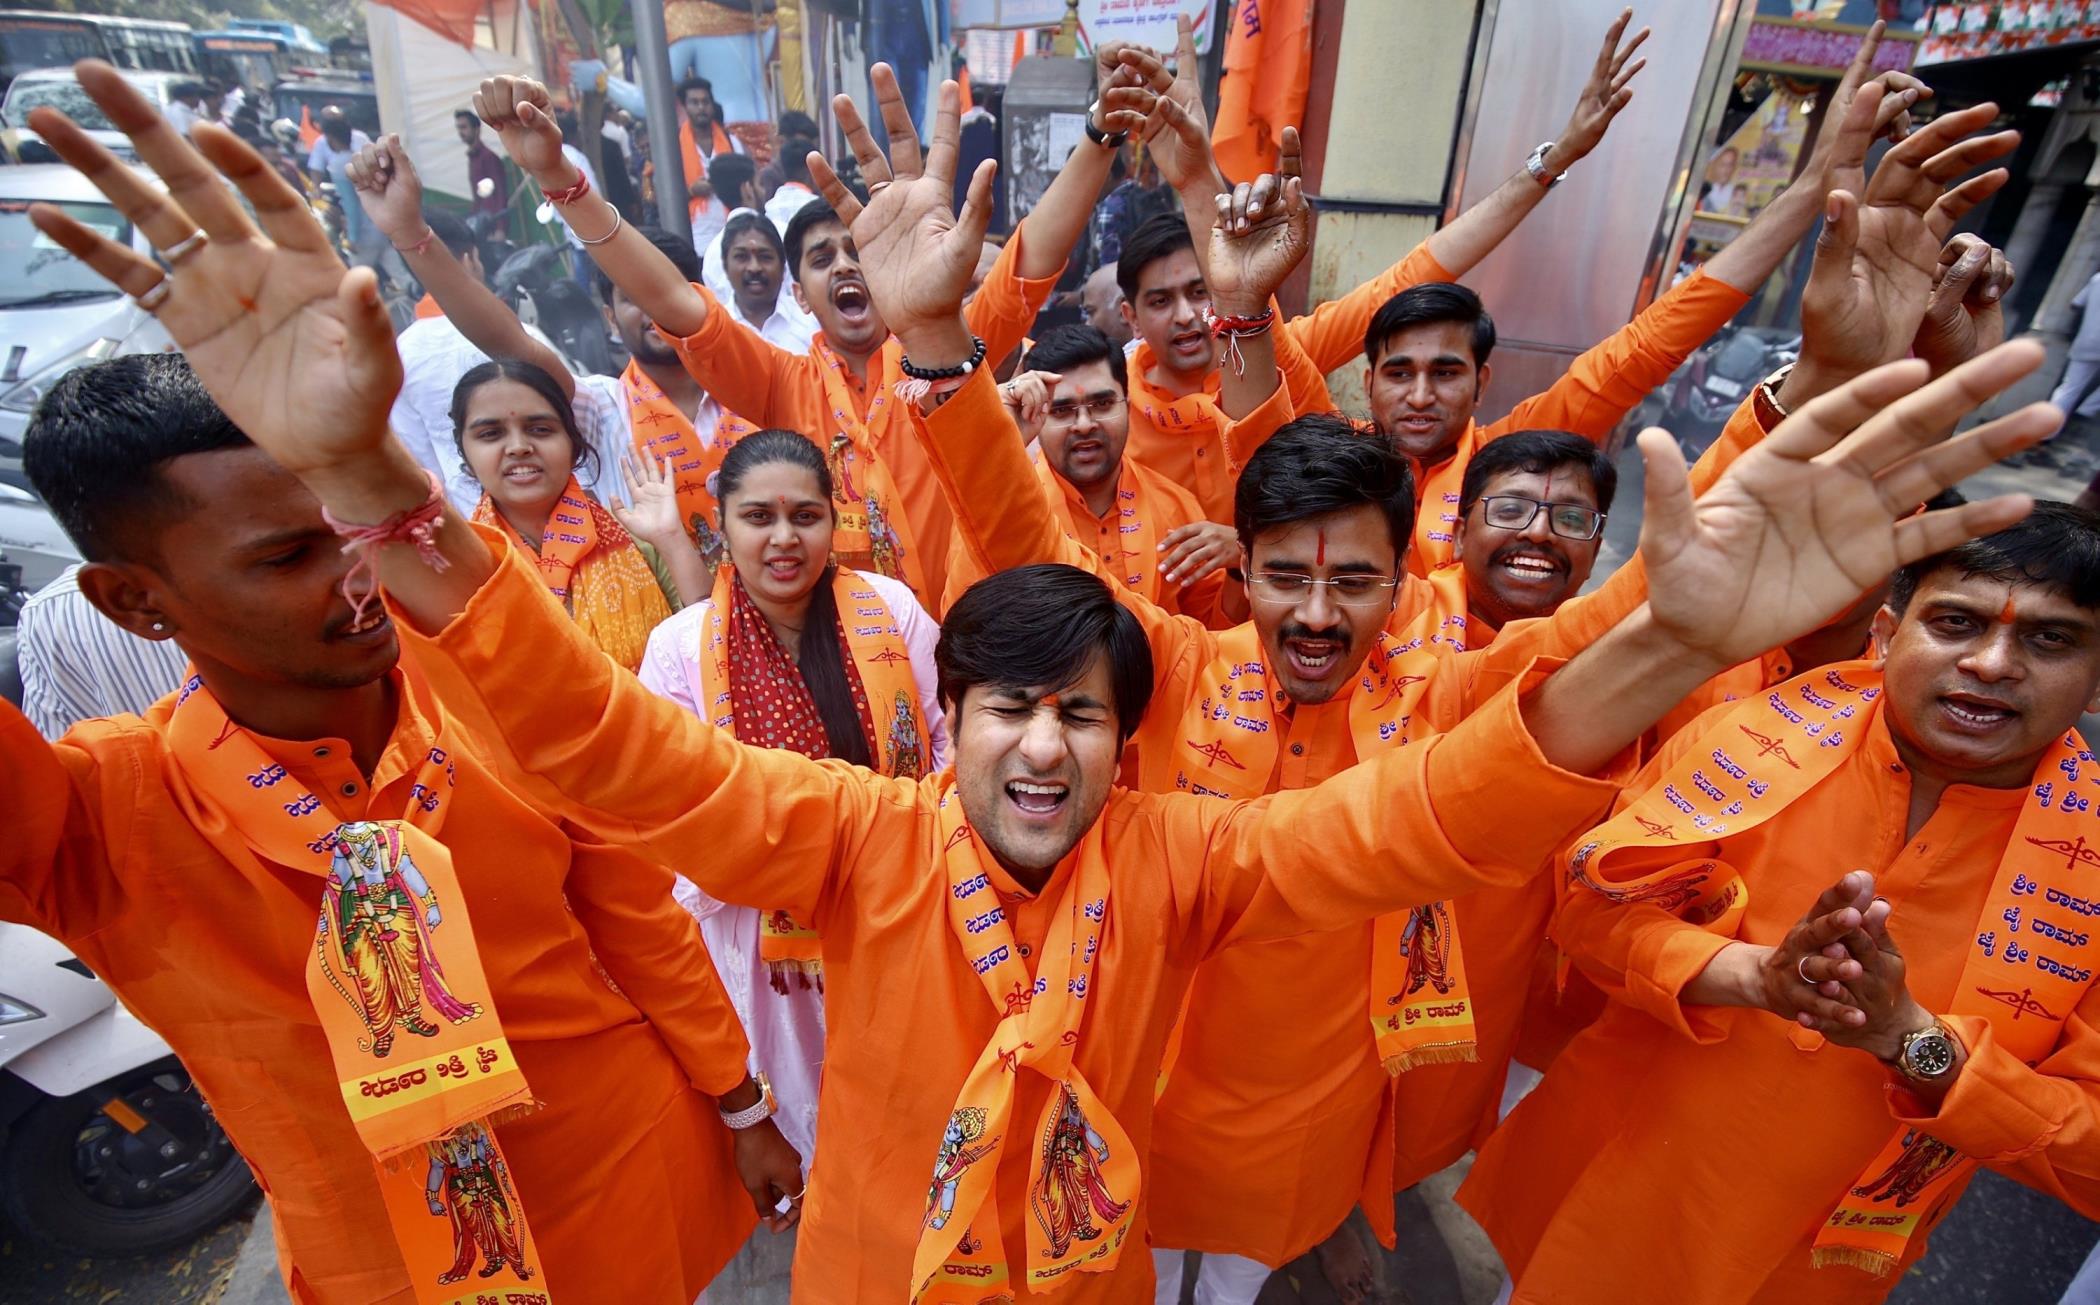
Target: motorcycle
x=535 y=282
x=106 y=1145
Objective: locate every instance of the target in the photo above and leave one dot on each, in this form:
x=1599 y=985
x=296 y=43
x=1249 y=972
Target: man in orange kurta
x=602 y=984
x=1692 y=1142
x=1142 y=525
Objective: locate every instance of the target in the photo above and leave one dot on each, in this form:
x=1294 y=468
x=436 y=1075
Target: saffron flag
x=1268 y=65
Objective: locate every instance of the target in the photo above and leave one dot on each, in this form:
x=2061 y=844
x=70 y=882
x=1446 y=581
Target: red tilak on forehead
x=1320 y=558
x=2006 y=614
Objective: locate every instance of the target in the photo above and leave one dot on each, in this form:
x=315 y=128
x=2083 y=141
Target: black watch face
x=1930 y=1056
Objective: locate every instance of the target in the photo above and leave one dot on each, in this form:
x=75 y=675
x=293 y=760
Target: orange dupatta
x=695 y=166
x=395 y=968
x=590 y=562
x=662 y=430
x=1749 y=766
x=899 y=744
x=1136 y=562
x=1421 y=1008
x=1083 y=1175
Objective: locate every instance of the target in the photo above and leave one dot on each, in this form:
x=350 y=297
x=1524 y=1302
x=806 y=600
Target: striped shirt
x=78 y=664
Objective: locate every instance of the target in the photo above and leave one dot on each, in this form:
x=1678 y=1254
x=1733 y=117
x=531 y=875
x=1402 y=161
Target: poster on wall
x=1145 y=22
x=1757 y=161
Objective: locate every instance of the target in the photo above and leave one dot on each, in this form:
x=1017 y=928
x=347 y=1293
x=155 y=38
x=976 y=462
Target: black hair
x=727 y=172
x=1428 y=303
x=695 y=84
x=2056 y=547
x=456 y=235
x=1159 y=236
x=813 y=214
x=1318 y=464
x=1538 y=452
x=1076 y=346
x=99 y=438
x=796 y=123
x=537 y=379
x=468 y=114
x=740 y=223
x=678 y=248
x=1040 y=627
x=823 y=661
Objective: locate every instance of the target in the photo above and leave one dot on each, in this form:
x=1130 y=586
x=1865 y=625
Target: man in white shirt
x=746 y=267
x=185 y=103
x=77 y=664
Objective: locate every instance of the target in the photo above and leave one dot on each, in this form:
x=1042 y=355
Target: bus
x=33 y=39
x=247 y=58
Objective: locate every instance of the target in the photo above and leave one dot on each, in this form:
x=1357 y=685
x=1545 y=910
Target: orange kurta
x=765 y=386
x=1141 y=494
x=1599 y=388
x=856 y=855
x=1184 y=439
x=1267 y=1126
x=209 y=948
x=1691 y=1153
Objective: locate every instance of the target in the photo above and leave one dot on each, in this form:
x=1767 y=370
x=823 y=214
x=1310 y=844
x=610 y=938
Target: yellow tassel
x=1879 y=1263
x=1447 y=1053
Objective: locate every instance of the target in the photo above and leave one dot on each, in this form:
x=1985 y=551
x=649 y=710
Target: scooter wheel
x=72 y=1176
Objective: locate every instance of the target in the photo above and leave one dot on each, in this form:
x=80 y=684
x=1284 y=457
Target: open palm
x=1261 y=233
x=295 y=349
x=1824 y=507
x=916 y=252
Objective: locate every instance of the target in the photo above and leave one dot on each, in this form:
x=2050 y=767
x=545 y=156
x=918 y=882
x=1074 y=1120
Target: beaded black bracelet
x=945 y=373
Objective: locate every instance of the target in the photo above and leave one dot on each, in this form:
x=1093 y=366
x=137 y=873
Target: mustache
x=1297 y=630
x=1551 y=552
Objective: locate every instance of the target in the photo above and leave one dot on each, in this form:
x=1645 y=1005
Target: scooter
x=110 y=1148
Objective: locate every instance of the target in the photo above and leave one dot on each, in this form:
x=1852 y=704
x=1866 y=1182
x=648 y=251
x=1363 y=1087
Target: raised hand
x=1027 y=400
x=519 y=111
x=296 y=350
x=916 y=252
x=1879 y=254
x=651 y=511
x=1263 y=229
x=1966 y=313
x=1842 y=140
x=388 y=187
x=1603 y=96
x=1822 y=508
x=1184 y=157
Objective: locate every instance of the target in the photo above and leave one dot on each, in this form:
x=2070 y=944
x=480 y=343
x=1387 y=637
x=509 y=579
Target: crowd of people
x=1018 y=808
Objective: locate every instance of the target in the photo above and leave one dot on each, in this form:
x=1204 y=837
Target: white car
x=55 y=312
x=60 y=89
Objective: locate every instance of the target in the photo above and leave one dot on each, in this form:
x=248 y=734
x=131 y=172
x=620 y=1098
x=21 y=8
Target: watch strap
x=1106 y=139
x=1765 y=399
x=753 y=1115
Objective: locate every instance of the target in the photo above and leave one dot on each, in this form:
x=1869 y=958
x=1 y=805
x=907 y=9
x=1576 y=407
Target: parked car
x=55 y=312
x=58 y=88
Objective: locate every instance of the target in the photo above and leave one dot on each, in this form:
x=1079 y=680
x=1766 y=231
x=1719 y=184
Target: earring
x=159 y=627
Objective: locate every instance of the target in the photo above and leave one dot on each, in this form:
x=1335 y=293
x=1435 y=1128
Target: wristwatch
x=753 y=1115
x=1765 y=399
x=1108 y=140
x=1927 y=1055
x=1536 y=166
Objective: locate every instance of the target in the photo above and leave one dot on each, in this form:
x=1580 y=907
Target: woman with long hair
x=616 y=570
x=792 y=650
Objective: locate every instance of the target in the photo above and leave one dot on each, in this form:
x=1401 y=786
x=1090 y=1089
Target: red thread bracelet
x=569 y=194
x=420 y=246
x=1236 y=327
x=416 y=526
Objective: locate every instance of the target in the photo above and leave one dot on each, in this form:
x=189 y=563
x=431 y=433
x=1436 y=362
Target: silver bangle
x=618 y=222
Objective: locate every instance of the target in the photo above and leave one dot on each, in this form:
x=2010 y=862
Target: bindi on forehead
x=1320 y=555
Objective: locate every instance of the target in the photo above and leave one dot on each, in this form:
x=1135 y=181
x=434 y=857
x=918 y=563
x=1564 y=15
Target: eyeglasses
x=1100 y=407
x=1348 y=590
x=1514 y=512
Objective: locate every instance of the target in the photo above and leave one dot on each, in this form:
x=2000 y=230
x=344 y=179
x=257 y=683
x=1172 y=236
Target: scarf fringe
x=808 y=972
x=1879 y=1263
x=1446 y=1053
x=393 y=1160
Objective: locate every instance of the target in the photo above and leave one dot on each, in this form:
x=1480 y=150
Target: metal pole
x=652 y=50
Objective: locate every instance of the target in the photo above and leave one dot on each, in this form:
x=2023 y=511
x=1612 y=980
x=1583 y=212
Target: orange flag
x=1268 y=64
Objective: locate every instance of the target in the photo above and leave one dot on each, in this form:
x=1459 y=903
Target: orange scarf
x=590 y=562
x=1083 y=1173
x=427 y=308
x=900 y=747
x=1751 y=765
x=396 y=979
x=696 y=167
x=1192 y=416
x=1421 y=1008
x=1436 y=505
x=662 y=430
x=1136 y=562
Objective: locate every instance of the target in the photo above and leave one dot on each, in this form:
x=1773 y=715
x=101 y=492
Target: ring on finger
x=183 y=248
x=154 y=297
x=876 y=188
x=1801 y=968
